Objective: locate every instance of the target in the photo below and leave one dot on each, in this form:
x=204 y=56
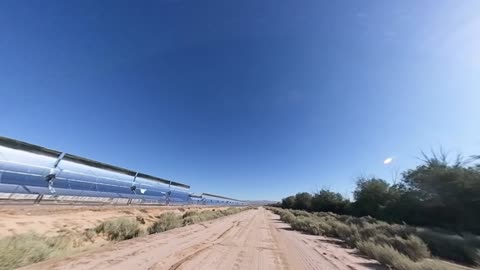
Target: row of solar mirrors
x=32 y=172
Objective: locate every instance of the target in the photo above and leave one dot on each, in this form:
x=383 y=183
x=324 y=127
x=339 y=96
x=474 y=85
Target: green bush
x=165 y=222
x=121 y=228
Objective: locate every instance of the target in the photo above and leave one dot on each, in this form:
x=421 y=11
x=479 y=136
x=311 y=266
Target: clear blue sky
x=250 y=99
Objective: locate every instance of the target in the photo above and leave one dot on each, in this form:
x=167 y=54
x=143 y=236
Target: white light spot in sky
x=388 y=161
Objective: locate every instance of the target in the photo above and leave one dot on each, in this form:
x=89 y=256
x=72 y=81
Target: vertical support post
x=134 y=187
x=50 y=178
x=169 y=192
x=38 y=199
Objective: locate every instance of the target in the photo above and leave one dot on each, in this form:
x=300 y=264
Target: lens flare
x=388 y=161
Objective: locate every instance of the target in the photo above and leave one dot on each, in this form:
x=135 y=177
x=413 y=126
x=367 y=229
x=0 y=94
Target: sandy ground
x=56 y=219
x=253 y=239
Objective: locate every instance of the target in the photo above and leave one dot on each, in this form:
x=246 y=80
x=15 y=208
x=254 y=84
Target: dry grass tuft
x=389 y=256
x=24 y=249
x=165 y=222
x=121 y=228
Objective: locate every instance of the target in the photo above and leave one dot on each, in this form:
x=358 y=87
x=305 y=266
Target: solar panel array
x=28 y=171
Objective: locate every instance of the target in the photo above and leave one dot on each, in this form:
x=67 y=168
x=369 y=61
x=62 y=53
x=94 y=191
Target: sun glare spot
x=388 y=161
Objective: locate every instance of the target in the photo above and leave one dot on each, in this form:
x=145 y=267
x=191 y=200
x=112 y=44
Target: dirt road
x=253 y=239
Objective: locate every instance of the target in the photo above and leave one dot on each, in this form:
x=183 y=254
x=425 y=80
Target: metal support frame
x=134 y=187
x=167 y=200
x=38 y=199
x=50 y=177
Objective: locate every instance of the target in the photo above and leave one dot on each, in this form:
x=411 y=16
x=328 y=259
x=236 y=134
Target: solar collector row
x=24 y=168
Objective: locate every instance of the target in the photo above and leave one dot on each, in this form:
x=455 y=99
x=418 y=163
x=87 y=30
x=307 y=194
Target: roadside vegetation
x=398 y=246
x=24 y=249
x=121 y=228
x=28 y=248
x=437 y=193
x=432 y=210
x=168 y=221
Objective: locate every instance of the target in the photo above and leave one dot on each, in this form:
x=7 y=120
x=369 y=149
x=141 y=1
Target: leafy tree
x=288 y=202
x=371 y=195
x=303 y=201
x=449 y=192
x=328 y=201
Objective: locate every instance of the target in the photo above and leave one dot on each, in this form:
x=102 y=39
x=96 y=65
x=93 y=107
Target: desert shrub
x=330 y=226
x=350 y=220
x=190 y=213
x=140 y=219
x=89 y=234
x=287 y=217
x=325 y=214
x=192 y=217
x=306 y=224
x=413 y=246
x=195 y=216
x=398 y=230
x=24 y=249
x=452 y=246
x=407 y=241
x=165 y=222
x=348 y=233
x=341 y=230
x=369 y=230
x=121 y=228
x=387 y=255
x=231 y=210
x=300 y=213
x=325 y=228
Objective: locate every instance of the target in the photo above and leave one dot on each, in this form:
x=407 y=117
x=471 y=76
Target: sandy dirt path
x=253 y=239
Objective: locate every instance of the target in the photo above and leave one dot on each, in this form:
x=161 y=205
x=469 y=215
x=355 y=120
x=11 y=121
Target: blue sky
x=249 y=99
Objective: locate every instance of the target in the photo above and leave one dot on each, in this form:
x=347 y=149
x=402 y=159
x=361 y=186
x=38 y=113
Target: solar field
x=30 y=172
